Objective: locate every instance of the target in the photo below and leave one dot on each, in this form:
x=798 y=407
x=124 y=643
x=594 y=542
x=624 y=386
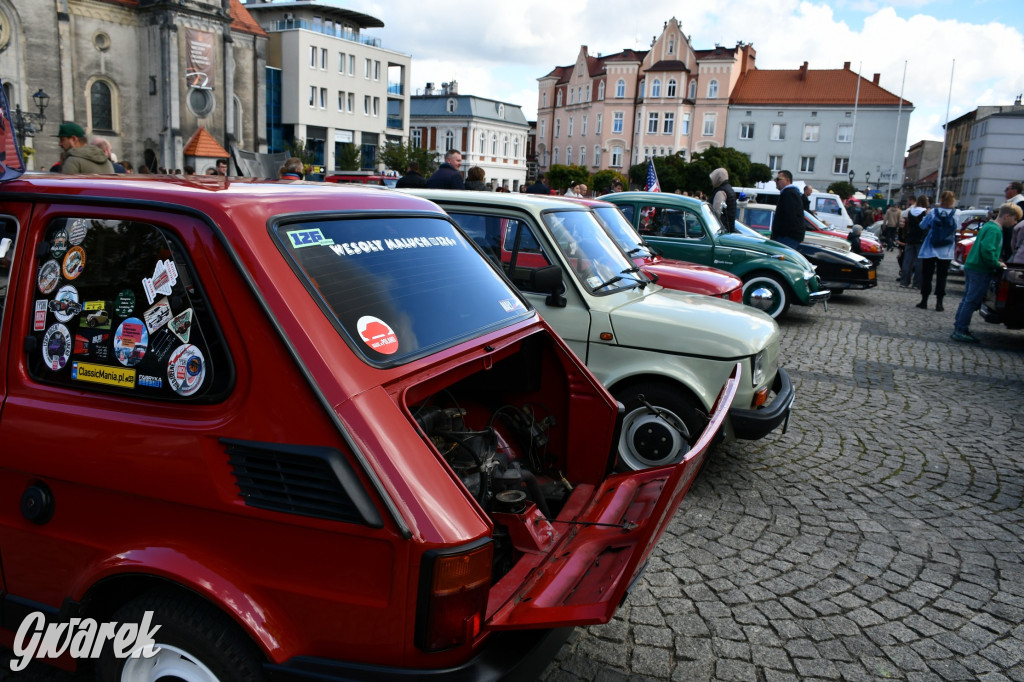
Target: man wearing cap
x=79 y=156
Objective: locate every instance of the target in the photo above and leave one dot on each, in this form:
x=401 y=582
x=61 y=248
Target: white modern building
x=995 y=156
x=489 y=133
x=337 y=86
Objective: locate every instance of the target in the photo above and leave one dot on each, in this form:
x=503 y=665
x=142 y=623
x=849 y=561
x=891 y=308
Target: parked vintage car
x=321 y=438
x=1004 y=303
x=774 y=276
x=674 y=274
x=662 y=353
x=838 y=268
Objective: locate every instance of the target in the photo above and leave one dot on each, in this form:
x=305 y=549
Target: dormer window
x=501 y=110
x=452 y=105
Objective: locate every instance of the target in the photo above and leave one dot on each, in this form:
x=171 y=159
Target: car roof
x=529 y=202
x=650 y=196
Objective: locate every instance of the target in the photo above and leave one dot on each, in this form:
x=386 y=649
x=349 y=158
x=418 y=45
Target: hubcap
x=648 y=441
x=762 y=298
x=169 y=663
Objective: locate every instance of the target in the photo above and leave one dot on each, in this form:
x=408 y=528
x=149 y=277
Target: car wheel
x=195 y=643
x=660 y=425
x=766 y=293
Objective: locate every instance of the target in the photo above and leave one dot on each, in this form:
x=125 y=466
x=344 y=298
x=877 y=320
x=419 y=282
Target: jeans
x=789 y=241
x=938 y=266
x=975 y=288
x=909 y=261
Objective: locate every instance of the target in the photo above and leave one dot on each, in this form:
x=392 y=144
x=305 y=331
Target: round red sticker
x=377 y=335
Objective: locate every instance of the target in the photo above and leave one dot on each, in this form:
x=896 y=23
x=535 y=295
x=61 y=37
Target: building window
x=572 y=96
x=376 y=106
x=617 y=122
x=451 y=105
x=571 y=122
x=312 y=56
x=806 y=164
x=367 y=68
x=312 y=95
x=841 y=165
x=482 y=148
x=671 y=45
x=671 y=88
x=692 y=93
x=366 y=105
x=670 y=124
x=656 y=88
x=583 y=126
x=652 y=122
x=543 y=100
x=588 y=92
x=583 y=155
x=600 y=122
x=568 y=156
x=643 y=88
x=494 y=144
x=449 y=140
x=554 y=156
x=844 y=133
x=811 y=132
x=558 y=99
x=416 y=137
x=558 y=127
x=501 y=111
x=351 y=102
x=617 y=157
x=341 y=62
x=351 y=65
x=713 y=89
x=775 y=162
x=620 y=89
x=323 y=98
x=600 y=90
x=778 y=131
x=341 y=100
x=515 y=147
x=685 y=125
x=323 y=58
x=709 y=124
x=597 y=155
x=376 y=70
x=100 y=103
x=746 y=131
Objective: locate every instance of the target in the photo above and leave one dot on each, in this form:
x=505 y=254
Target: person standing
x=982 y=262
x=1014 y=195
x=913 y=235
x=221 y=167
x=723 y=199
x=291 y=170
x=412 y=177
x=539 y=187
x=573 y=191
x=788 y=226
x=79 y=156
x=448 y=175
x=808 y=190
x=475 y=179
x=937 y=249
x=890 y=224
x=104 y=145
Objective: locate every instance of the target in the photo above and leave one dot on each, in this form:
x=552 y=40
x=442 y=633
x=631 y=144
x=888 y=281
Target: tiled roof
x=806 y=86
x=242 y=21
x=203 y=144
x=595 y=65
x=668 y=65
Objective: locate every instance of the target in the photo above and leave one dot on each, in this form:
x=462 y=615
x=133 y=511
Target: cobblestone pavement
x=879 y=538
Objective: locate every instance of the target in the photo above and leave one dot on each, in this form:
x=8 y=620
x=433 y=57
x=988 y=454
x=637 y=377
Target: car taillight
x=736 y=295
x=453 y=595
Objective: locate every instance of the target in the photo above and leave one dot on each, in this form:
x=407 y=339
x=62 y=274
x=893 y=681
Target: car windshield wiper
x=619 y=278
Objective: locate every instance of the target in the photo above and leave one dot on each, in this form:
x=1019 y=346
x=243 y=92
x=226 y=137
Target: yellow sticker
x=122 y=377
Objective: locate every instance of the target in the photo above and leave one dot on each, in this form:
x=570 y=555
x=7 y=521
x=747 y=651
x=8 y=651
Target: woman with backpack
x=910 y=239
x=937 y=248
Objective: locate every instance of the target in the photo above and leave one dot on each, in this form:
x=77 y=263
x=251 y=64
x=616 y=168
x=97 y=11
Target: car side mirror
x=548 y=280
x=5 y=246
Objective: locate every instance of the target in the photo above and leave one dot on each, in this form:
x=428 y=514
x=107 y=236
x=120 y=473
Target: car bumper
x=512 y=655
x=848 y=284
x=875 y=258
x=819 y=297
x=755 y=424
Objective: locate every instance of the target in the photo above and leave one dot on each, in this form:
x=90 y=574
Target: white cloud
x=499 y=50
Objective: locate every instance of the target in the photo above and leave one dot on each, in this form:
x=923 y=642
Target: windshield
x=748 y=232
x=710 y=219
x=599 y=265
x=621 y=232
x=398 y=287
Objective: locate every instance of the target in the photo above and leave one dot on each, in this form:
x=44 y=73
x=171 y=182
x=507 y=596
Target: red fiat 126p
x=307 y=430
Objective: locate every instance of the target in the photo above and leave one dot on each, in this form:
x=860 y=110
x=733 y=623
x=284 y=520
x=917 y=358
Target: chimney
x=803 y=72
x=874 y=79
x=846 y=66
x=453 y=88
x=429 y=90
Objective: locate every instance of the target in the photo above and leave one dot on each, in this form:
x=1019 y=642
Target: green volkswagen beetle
x=774 y=276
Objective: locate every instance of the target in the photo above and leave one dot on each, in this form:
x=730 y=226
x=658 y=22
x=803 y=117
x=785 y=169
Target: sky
x=966 y=53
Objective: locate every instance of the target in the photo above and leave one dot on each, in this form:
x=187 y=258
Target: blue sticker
x=304 y=238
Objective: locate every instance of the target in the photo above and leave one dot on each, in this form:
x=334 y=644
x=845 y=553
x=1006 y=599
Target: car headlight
x=757 y=375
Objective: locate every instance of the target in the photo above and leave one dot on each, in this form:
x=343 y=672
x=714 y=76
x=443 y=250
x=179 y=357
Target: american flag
x=652 y=177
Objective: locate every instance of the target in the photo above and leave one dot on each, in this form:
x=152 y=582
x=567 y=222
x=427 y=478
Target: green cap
x=70 y=129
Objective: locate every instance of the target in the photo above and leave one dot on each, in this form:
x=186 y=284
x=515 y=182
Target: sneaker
x=965 y=337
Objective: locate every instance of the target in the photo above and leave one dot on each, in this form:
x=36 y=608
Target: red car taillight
x=735 y=295
x=453 y=595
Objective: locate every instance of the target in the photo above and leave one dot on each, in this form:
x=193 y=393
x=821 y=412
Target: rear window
x=400 y=287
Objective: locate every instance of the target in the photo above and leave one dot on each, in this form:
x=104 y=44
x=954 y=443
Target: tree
x=759 y=172
x=562 y=177
x=843 y=188
x=397 y=155
x=602 y=180
x=297 y=148
x=349 y=157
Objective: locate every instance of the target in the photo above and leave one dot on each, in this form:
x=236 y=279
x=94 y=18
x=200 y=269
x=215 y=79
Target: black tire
x=193 y=636
x=768 y=293
x=649 y=440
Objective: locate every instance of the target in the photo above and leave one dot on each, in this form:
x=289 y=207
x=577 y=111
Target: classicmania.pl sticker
x=377 y=334
x=74 y=262
x=56 y=346
x=186 y=370
x=49 y=276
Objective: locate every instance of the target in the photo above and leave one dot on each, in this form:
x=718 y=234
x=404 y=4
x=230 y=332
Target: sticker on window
x=130 y=342
x=79 y=228
x=59 y=244
x=49 y=277
x=39 y=321
x=125 y=303
x=303 y=238
x=510 y=304
x=65 y=304
x=181 y=325
x=158 y=315
x=103 y=374
x=186 y=370
x=74 y=262
x=165 y=276
x=56 y=347
x=94 y=345
x=377 y=334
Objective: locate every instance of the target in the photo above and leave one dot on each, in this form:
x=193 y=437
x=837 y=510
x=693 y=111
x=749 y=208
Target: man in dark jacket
x=788 y=227
x=723 y=198
x=412 y=177
x=79 y=156
x=448 y=175
x=539 y=187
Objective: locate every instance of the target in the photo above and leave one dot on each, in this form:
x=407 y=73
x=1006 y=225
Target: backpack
x=943 y=229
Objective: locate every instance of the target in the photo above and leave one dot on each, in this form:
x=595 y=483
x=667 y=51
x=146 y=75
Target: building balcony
x=396 y=89
x=394 y=123
x=337 y=32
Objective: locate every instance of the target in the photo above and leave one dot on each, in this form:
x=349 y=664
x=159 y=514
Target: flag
x=652 y=177
x=11 y=163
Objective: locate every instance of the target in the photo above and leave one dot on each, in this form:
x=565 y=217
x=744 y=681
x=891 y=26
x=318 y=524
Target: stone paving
x=879 y=538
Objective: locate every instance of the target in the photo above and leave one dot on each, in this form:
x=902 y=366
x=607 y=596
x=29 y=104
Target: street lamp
x=867 y=179
x=851 y=176
x=27 y=123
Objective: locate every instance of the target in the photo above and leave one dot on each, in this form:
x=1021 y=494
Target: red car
x=870 y=247
x=364 y=456
x=673 y=274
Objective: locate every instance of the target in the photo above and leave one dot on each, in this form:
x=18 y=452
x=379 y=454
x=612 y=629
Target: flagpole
x=945 y=132
x=853 y=133
x=896 y=137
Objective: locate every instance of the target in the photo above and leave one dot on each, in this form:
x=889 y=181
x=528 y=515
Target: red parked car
x=670 y=273
x=346 y=449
